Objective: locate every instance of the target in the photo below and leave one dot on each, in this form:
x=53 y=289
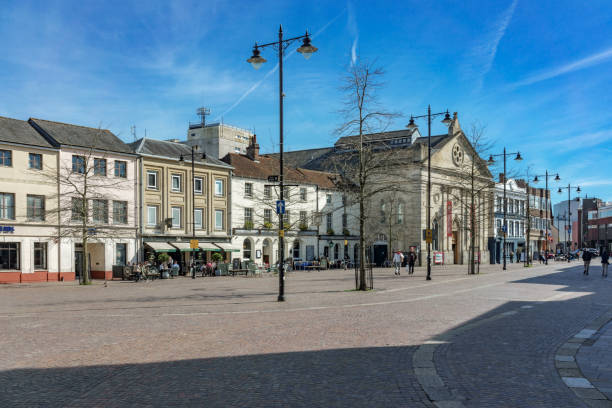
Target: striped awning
x=160 y=246
x=227 y=247
x=209 y=246
x=183 y=246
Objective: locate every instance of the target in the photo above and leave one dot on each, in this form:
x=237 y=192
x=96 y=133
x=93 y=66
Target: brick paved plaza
x=459 y=340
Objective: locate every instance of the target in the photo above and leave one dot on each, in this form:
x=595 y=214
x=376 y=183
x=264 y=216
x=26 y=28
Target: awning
x=209 y=246
x=160 y=246
x=227 y=247
x=183 y=246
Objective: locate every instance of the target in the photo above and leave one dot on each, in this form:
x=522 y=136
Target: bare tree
x=367 y=164
x=84 y=192
x=473 y=190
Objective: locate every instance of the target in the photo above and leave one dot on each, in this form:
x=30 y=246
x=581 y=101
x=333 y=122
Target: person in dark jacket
x=605 y=256
x=411 y=261
x=586 y=257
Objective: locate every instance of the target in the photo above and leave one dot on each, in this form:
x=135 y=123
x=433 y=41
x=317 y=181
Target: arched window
x=400 y=213
x=246 y=249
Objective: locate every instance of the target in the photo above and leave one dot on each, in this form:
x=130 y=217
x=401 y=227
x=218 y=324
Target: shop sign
x=7 y=229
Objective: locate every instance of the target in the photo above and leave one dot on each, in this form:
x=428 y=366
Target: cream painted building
x=219 y=139
x=98 y=159
x=172 y=209
x=28 y=234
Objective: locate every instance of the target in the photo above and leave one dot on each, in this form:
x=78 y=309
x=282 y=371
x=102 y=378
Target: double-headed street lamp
x=504 y=203
x=194 y=149
x=569 y=211
x=256 y=60
x=535 y=180
x=411 y=125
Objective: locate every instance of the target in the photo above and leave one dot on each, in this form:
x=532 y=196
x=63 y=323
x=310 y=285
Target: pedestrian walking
x=586 y=257
x=411 y=261
x=397 y=261
x=605 y=257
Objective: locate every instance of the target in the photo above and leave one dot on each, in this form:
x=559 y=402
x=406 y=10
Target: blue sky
x=536 y=74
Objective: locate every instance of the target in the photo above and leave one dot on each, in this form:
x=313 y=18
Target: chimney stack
x=253 y=149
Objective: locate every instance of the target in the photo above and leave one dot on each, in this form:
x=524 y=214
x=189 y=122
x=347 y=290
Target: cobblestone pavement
x=226 y=341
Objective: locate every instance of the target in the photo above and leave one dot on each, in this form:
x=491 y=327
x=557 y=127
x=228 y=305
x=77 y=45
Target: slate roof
x=20 y=131
x=172 y=150
x=393 y=134
x=299 y=158
x=269 y=166
x=64 y=134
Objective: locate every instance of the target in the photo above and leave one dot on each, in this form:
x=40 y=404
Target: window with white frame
x=219 y=220
x=176 y=217
x=198 y=218
x=100 y=211
x=303 y=194
x=120 y=169
x=119 y=212
x=400 y=213
x=36 y=207
x=248 y=190
x=329 y=221
x=100 y=167
x=36 y=161
x=40 y=255
x=6 y=158
x=267 y=192
x=328 y=198
x=219 y=187
x=267 y=216
x=303 y=219
x=198 y=185
x=152 y=215
x=248 y=218
x=152 y=179
x=176 y=182
x=287 y=218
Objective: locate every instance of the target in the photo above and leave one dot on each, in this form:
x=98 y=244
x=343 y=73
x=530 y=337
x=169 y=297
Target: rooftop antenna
x=133 y=131
x=203 y=113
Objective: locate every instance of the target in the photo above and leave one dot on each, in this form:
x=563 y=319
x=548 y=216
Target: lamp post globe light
x=411 y=125
x=194 y=149
x=256 y=60
x=536 y=180
x=568 y=226
x=504 y=202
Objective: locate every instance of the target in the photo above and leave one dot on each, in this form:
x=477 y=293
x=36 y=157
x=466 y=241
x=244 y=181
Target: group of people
x=605 y=260
x=398 y=260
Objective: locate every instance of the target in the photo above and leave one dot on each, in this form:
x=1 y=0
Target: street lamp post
x=569 y=212
x=504 y=203
x=194 y=149
x=535 y=180
x=256 y=60
x=411 y=125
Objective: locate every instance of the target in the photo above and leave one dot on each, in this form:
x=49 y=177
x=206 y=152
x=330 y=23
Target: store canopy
x=160 y=246
x=227 y=247
x=209 y=246
x=183 y=246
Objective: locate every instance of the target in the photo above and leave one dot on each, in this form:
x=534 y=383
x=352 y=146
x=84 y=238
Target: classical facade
x=178 y=205
x=318 y=222
x=459 y=212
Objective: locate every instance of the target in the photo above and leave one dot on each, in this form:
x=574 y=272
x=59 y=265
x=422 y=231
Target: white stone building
x=516 y=218
x=318 y=222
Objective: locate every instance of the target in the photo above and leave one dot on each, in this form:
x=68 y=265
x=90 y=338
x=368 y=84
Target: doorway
x=380 y=254
x=455 y=246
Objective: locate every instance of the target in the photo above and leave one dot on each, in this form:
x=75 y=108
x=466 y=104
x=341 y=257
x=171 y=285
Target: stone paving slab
x=455 y=341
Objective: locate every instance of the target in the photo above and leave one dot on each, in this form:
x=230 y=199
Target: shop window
x=40 y=255
x=9 y=256
x=120 y=254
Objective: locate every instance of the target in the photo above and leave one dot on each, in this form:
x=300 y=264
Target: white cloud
x=481 y=56
x=582 y=63
x=351 y=25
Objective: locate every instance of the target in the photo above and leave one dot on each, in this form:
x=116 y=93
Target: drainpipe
x=59 y=221
x=139 y=208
